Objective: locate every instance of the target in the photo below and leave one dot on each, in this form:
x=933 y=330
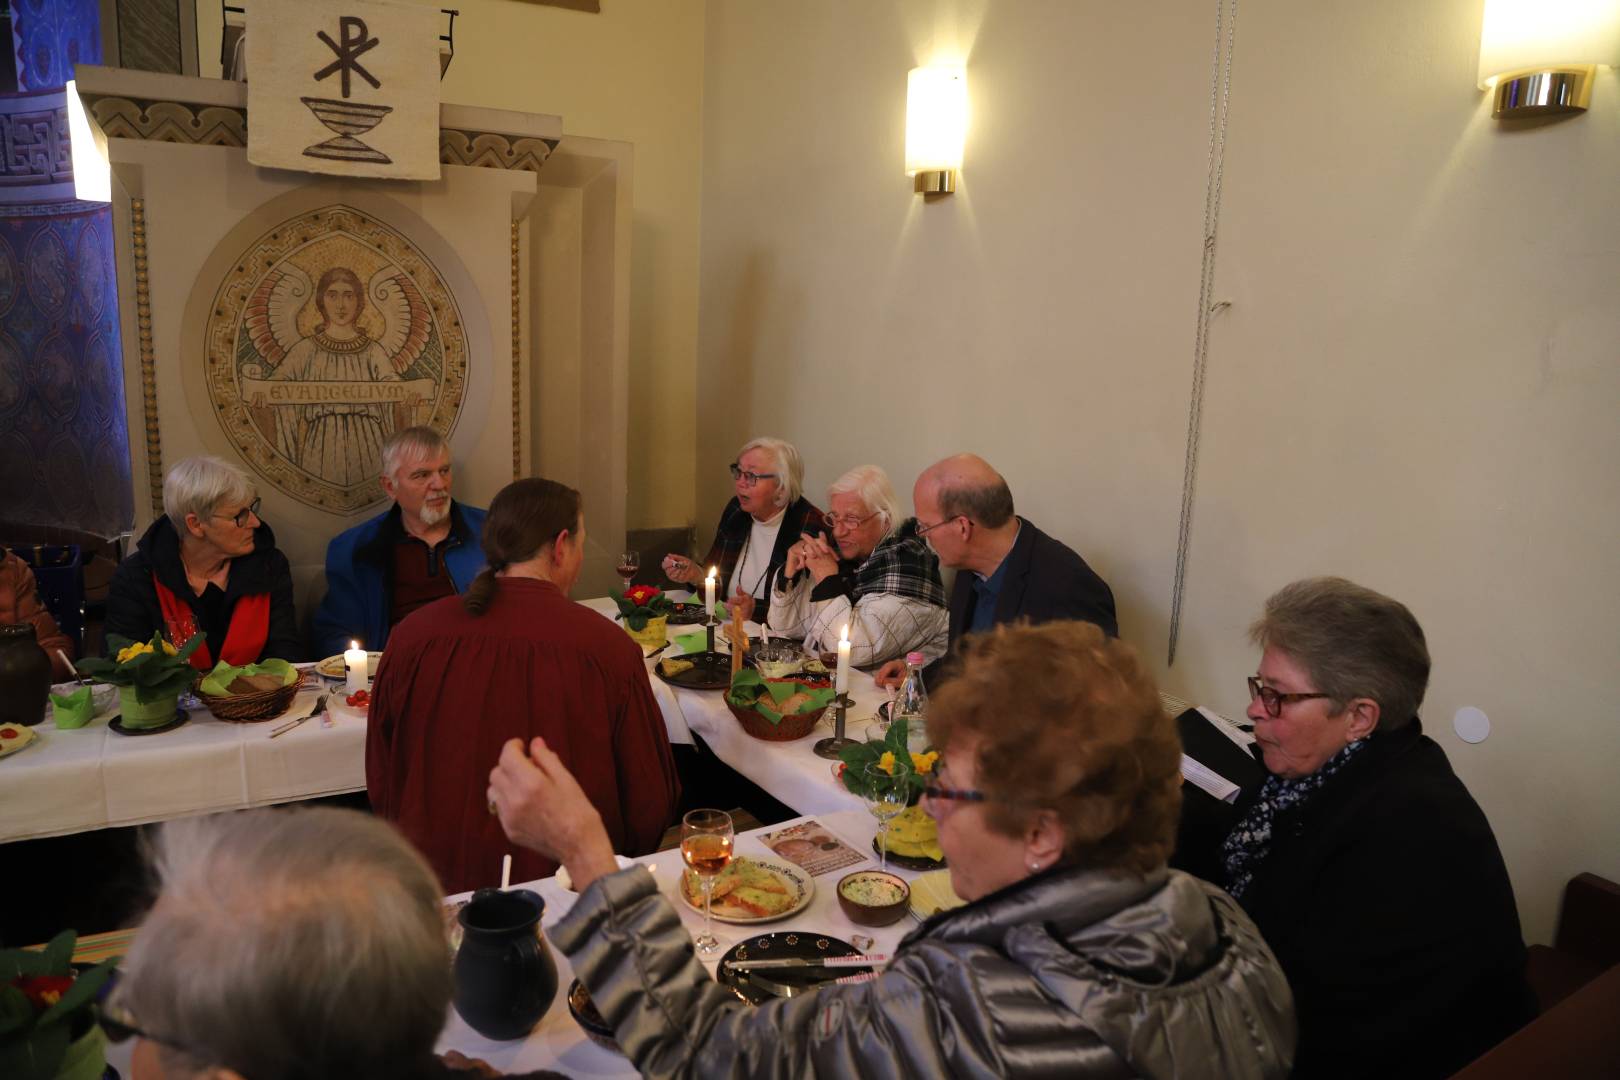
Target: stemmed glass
x=706 y=840
x=629 y=562
x=886 y=798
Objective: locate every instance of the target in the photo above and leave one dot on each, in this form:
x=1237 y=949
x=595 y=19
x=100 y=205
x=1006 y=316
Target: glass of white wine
x=886 y=798
x=707 y=837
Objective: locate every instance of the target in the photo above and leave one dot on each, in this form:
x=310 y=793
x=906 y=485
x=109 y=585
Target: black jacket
x=132 y=603
x=1385 y=899
x=1046 y=581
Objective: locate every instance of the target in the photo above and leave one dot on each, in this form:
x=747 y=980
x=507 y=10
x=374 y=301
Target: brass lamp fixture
x=1541 y=56
x=936 y=126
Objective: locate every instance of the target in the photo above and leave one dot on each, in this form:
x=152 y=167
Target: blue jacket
x=359 y=565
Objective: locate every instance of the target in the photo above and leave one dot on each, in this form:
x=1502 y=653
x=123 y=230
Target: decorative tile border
x=517 y=357
x=143 y=321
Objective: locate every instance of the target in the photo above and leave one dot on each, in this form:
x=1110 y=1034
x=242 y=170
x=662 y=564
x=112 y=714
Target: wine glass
x=629 y=562
x=886 y=798
x=706 y=840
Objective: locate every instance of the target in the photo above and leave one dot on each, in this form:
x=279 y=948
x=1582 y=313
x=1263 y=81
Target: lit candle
x=354 y=665
x=841 y=684
x=708 y=593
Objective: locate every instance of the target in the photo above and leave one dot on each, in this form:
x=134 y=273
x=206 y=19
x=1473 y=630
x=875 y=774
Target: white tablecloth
x=93 y=778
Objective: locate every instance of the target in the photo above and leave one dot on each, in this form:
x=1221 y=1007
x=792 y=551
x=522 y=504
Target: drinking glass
x=629 y=562
x=886 y=798
x=706 y=840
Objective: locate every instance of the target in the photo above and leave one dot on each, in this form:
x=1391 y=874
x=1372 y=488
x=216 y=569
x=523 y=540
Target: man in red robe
x=515 y=658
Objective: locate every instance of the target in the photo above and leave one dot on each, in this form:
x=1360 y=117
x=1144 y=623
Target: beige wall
x=1415 y=386
x=633 y=72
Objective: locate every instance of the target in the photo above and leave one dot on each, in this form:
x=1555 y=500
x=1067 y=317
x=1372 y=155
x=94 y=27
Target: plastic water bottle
x=911 y=704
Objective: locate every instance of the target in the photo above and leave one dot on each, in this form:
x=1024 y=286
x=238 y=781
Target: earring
x=1034 y=867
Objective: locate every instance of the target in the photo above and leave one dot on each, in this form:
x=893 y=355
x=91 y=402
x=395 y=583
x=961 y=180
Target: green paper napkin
x=217 y=682
x=748 y=689
x=72 y=710
x=695 y=642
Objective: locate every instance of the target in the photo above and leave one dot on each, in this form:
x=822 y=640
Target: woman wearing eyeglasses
x=208 y=566
x=1078 y=954
x=763 y=521
x=1362 y=857
x=876 y=576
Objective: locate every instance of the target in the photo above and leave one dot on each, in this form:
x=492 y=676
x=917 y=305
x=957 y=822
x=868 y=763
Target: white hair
x=409 y=444
x=786 y=463
x=197 y=485
x=870 y=484
x=272 y=927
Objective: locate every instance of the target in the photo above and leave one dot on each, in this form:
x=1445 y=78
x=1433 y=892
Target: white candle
x=708 y=593
x=354 y=666
x=841 y=683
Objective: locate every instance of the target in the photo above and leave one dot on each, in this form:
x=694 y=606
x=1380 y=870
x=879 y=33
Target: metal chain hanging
x=1220 y=97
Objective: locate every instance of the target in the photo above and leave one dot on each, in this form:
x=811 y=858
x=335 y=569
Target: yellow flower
x=170 y=649
x=130 y=652
x=886 y=762
x=50 y=997
x=924 y=763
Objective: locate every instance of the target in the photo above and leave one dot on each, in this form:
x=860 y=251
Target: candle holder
x=837 y=744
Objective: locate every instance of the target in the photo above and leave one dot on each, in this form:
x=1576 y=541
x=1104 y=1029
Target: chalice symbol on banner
x=347 y=119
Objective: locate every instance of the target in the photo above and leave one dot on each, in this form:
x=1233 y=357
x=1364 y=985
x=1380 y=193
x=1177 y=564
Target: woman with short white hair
x=766 y=517
x=208 y=566
x=877 y=577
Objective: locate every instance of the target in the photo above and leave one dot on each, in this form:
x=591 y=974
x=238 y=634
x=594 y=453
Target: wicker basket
x=252 y=708
x=792 y=727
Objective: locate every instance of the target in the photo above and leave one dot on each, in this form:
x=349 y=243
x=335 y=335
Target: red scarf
x=244 y=638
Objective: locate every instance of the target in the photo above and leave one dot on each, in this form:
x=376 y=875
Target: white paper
x=1207 y=779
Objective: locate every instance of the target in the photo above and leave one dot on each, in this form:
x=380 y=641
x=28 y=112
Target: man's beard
x=429 y=516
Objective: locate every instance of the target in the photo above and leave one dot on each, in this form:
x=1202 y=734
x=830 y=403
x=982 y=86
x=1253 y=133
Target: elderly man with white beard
x=424 y=547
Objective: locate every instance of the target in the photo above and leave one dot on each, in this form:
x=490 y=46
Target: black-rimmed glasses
x=749 y=478
x=242 y=515
x=924 y=530
x=1274 y=700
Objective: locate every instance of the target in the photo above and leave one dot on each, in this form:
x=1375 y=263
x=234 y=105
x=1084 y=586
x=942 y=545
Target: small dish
x=566 y=883
x=873 y=897
x=589 y=1020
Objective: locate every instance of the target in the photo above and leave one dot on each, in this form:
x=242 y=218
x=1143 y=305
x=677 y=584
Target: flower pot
x=86 y=1057
x=655 y=634
x=139 y=714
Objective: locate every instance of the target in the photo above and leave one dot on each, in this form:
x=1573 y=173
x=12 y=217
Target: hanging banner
x=347 y=87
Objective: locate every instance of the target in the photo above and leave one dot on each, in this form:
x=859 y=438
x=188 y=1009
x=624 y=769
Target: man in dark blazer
x=1007 y=569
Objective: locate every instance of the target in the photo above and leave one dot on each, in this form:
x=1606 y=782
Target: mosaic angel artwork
x=330 y=334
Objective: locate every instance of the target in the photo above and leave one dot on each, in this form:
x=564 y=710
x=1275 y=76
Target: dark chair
x=1577 y=1038
x=59 y=572
x=1586 y=944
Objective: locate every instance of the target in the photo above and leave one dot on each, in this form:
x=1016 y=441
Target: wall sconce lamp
x=1541 y=56
x=936 y=125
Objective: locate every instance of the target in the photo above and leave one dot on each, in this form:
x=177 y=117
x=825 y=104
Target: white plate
x=337 y=706
x=797 y=881
x=332 y=667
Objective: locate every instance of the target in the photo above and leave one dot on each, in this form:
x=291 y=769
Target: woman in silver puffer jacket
x=1078 y=955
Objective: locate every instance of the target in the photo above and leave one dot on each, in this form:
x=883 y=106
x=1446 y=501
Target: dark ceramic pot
x=25 y=676
x=505 y=977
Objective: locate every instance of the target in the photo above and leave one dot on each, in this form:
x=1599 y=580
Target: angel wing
x=272 y=311
x=407 y=321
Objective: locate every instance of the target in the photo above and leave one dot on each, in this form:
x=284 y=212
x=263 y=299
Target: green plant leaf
x=81 y=993
x=16 y=1011
x=59 y=952
x=35 y=1057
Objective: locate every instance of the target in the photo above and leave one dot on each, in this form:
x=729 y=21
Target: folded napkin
x=73 y=710
x=219 y=682
x=748 y=689
x=695 y=642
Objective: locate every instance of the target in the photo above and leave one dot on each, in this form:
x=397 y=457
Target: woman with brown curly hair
x=1079 y=953
x=514 y=656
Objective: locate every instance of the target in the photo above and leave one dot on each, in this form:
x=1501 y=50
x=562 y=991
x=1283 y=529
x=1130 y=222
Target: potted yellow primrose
x=879 y=766
x=150 y=676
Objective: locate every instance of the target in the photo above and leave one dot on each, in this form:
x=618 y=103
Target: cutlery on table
x=858 y=960
x=289 y=725
x=656 y=651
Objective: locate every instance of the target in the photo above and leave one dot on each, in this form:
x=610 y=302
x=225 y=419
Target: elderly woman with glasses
x=208 y=566
x=877 y=577
x=1362 y=857
x=285 y=945
x=766 y=517
x=1079 y=953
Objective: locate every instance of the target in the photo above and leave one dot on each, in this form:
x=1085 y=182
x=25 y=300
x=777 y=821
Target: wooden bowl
x=870 y=913
x=589 y=1020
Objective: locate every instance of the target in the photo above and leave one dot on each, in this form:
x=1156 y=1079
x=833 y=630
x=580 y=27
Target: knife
x=289 y=725
x=858 y=960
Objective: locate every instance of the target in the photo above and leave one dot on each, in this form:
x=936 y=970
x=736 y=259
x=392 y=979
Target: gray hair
x=408 y=444
x=196 y=485
x=990 y=505
x=789 y=467
x=288 y=944
x=870 y=484
x=1353 y=642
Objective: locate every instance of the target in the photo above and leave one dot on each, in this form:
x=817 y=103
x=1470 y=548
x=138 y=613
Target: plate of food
x=332 y=667
x=931 y=893
x=913 y=841
x=696 y=671
x=339 y=702
x=685 y=613
x=752 y=890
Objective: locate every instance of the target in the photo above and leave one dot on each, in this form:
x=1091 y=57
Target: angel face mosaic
x=327 y=335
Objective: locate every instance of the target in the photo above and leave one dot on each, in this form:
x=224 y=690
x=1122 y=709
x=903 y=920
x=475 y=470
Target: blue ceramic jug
x=505 y=977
